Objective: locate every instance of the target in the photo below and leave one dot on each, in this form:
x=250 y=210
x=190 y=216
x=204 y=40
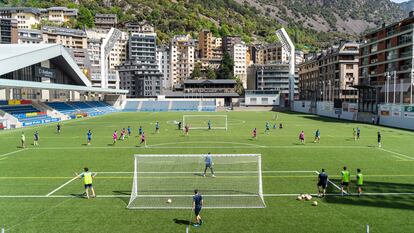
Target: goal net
x=169 y=181
x=202 y=121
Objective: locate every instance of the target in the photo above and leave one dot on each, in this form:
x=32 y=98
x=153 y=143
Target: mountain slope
x=311 y=23
x=407 y=6
x=347 y=16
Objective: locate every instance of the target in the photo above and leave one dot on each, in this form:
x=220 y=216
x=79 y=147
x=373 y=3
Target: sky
x=399 y=1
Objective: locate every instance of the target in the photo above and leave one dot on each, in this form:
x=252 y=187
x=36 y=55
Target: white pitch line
x=336 y=186
x=396 y=153
x=202 y=147
x=197 y=172
x=13 y=152
x=266 y=195
x=63 y=185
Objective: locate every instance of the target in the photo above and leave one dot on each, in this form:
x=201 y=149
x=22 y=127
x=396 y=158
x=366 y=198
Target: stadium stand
x=131 y=106
x=91 y=108
x=155 y=106
x=26 y=113
x=185 y=105
x=208 y=106
x=169 y=105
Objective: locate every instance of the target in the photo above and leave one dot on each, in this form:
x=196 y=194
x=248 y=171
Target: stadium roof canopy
x=17 y=56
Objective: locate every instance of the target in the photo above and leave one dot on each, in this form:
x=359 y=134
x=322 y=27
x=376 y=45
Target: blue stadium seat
x=155 y=106
x=20 y=111
x=92 y=108
x=190 y=105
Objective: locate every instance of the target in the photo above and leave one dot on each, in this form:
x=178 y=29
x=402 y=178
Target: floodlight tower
x=108 y=44
x=288 y=45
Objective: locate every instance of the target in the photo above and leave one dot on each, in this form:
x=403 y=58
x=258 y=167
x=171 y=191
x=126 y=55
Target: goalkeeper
x=209 y=164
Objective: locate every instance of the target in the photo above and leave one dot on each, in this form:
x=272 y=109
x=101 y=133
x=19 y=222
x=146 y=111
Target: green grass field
x=29 y=176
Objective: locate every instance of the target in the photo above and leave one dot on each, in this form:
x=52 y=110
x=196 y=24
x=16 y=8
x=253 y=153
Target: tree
x=239 y=86
x=211 y=73
x=197 y=71
x=85 y=18
x=226 y=67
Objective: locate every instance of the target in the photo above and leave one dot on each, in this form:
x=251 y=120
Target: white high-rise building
x=239 y=55
x=182 y=60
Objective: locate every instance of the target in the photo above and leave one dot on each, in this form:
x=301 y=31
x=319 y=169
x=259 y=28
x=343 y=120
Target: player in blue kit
x=157 y=127
x=89 y=136
x=209 y=164
x=198 y=204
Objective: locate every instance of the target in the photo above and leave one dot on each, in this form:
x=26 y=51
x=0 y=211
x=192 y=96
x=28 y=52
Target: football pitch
x=39 y=191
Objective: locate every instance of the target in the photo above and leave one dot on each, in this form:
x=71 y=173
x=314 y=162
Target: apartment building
x=141 y=78
x=182 y=60
x=75 y=41
x=338 y=71
x=30 y=36
x=8 y=31
x=27 y=17
x=272 y=77
x=140 y=74
x=275 y=53
x=107 y=49
x=106 y=21
x=239 y=55
x=386 y=65
x=309 y=82
x=163 y=61
x=229 y=42
x=210 y=47
x=139 y=27
x=331 y=75
x=70 y=38
x=58 y=14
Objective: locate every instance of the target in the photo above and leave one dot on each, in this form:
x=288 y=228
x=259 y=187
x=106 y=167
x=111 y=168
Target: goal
x=201 y=121
x=158 y=178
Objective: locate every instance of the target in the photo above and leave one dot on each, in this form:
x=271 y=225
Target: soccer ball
x=308 y=197
x=315 y=203
x=169 y=201
x=299 y=198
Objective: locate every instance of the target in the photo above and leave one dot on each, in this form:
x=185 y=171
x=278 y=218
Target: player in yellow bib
x=87 y=181
x=345 y=181
x=360 y=181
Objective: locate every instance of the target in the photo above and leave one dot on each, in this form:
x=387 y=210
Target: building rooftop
x=106 y=15
x=21 y=9
x=212 y=81
x=64 y=31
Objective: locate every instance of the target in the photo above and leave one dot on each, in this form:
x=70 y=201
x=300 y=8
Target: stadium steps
x=170 y=106
x=200 y=106
x=140 y=105
x=12 y=121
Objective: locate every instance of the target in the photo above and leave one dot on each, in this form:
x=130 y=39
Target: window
x=349 y=66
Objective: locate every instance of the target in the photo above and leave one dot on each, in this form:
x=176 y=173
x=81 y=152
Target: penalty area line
x=13 y=152
x=336 y=186
x=265 y=195
x=405 y=157
x=60 y=187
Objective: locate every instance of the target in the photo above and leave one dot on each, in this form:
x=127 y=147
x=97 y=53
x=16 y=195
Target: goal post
x=202 y=121
x=168 y=181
